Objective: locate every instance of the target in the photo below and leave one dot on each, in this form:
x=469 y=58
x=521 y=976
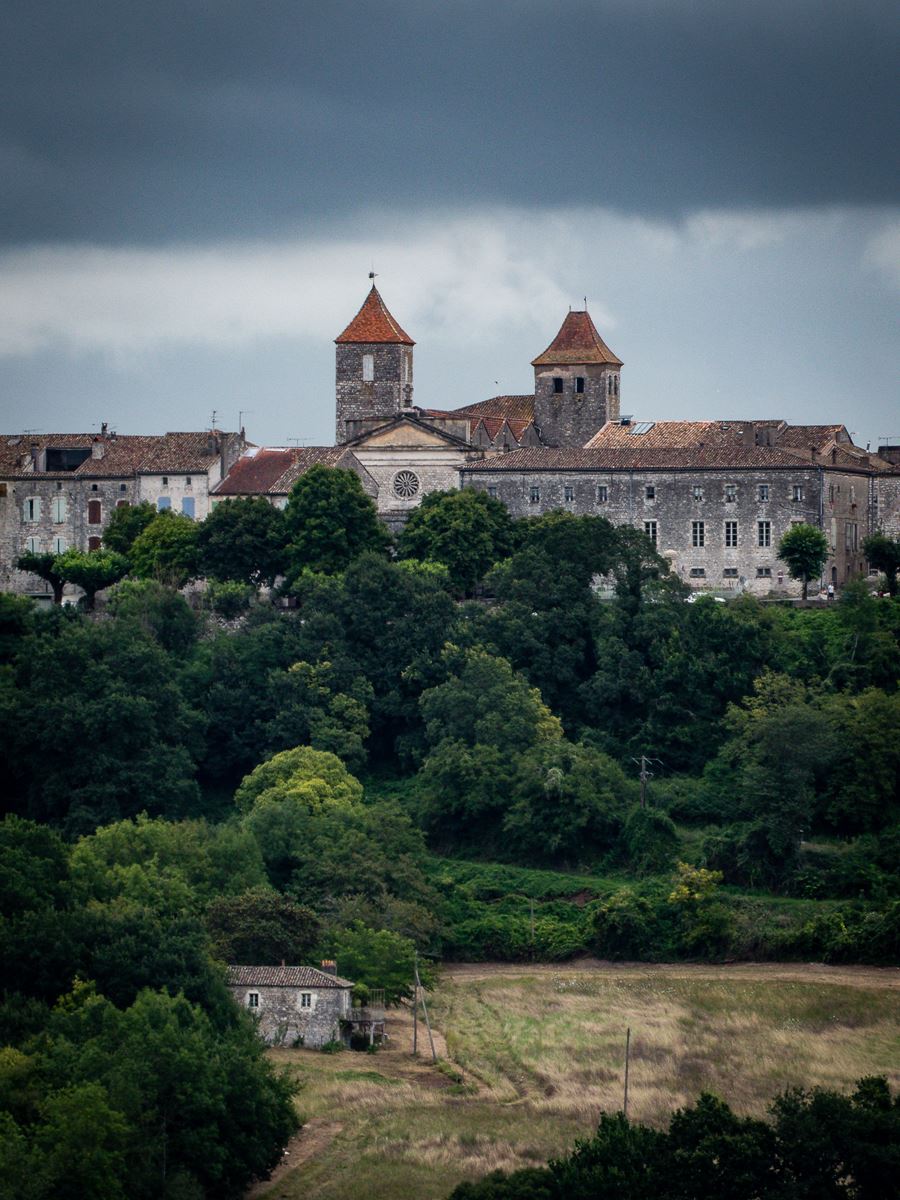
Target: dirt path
x=868 y=977
x=315 y=1137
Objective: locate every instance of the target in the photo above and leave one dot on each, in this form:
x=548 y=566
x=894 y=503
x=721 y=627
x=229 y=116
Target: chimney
x=329 y=966
x=97 y=448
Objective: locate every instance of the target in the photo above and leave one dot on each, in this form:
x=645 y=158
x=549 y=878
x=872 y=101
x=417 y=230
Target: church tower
x=576 y=384
x=373 y=368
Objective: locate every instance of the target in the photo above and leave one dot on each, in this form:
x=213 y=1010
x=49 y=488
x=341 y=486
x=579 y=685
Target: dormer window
x=368 y=368
x=579 y=384
x=557 y=383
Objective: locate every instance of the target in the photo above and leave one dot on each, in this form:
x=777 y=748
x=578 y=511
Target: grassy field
x=530 y=1055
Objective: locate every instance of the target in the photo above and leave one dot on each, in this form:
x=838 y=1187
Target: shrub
x=229 y=599
x=649 y=841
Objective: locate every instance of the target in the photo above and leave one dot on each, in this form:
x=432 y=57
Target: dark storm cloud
x=176 y=119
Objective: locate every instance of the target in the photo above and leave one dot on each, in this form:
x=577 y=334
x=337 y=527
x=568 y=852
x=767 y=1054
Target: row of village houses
x=713 y=504
x=714 y=497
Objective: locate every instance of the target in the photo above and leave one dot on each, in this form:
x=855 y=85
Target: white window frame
x=253 y=1000
x=534 y=494
x=730 y=493
x=763 y=534
x=307 y=1001
x=731 y=535
x=698 y=534
x=697 y=491
x=650 y=529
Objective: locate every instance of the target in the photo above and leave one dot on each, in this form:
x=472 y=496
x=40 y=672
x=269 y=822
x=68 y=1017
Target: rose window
x=406 y=485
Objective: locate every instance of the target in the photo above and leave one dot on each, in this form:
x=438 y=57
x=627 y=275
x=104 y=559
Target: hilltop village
x=714 y=497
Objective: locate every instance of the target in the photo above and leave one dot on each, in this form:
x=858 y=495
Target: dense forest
x=429 y=743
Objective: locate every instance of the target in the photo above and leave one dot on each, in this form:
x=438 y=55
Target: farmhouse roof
x=240 y=976
x=374 y=323
x=577 y=342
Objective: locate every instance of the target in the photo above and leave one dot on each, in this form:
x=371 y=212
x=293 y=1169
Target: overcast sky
x=192 y=196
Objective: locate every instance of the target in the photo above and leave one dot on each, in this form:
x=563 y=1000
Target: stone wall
x=283 y=1020
x=390 y=390
x=51 y=535
x=667 y=504
x=570 y=418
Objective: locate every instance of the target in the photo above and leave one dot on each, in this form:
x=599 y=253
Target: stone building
x=295 y=1005
x=58 y=490
x=714 y=497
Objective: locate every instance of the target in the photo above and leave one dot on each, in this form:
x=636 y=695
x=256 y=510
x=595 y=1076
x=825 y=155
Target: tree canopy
x=804 y=548
x=330 y=521
x=466 y=530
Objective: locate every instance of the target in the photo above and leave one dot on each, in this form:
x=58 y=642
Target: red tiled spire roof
x=577 y=342
x=373 y=323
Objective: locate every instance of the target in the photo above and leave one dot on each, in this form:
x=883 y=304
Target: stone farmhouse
x=304 y=1005
x=714 y=497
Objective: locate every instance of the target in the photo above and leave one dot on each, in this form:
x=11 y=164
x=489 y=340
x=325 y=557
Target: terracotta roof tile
x=373 y=323
x=577 y=342
x=123 y=454
x=649 y=458
x=520 y=407
x=239 y=976
x=272 y=471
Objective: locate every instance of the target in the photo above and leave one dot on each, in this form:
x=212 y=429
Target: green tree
x=313 y=778
x=485 y=702
x=243 y=540
x=468 y=531
x=44 y=566
x=330 y=521
x=378 y=958
x=116 y=738
x=126 y=523
x=883 y=553
x=206 y=1114
x=804 y=548
x=649 y=841
x=167 y=550
x=92 y=572
x=261 y=927
x=569 y=802
x=159 y=611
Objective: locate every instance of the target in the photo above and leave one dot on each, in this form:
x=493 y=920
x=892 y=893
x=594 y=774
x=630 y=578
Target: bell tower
x=373 y=368
x=576 y=384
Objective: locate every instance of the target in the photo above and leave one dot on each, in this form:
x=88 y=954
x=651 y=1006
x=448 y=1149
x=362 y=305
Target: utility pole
x=627 y=1056
x=416 y=1008
x=425 y=1010
x=643 y=762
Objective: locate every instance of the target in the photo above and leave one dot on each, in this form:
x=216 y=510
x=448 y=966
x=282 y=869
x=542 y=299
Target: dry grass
x=534 y=1054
